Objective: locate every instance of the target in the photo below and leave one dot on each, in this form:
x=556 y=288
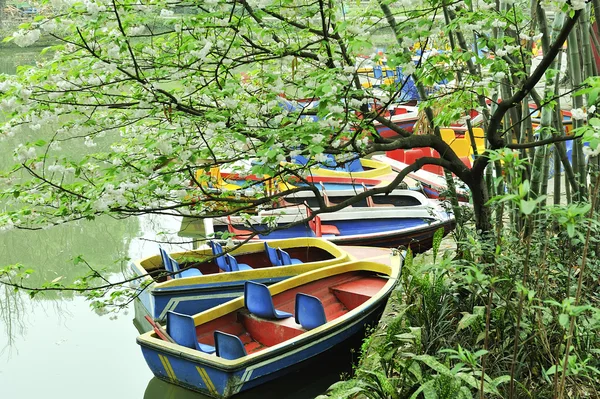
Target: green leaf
x=501 y=380
x=594 y=121
x=563 y=319
x=434 y=364
x=524 y=189
x=426 y=389
x=466 y=321
x=571 y=230
x=527 y=206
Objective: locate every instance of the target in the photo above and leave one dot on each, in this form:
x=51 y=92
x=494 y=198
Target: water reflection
x=57 y=337
x=103 y=243
x=12 y=57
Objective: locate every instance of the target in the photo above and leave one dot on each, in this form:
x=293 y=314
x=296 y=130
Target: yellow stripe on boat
x=202 y=255
x=207 y=381
x=168 y=368
x=376 y=169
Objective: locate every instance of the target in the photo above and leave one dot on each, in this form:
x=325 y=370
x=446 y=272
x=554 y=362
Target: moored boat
x=432 y=183
x=404 y=117
x=242 y=345
x=204 y=284
x=403 y=218
x=363 y=168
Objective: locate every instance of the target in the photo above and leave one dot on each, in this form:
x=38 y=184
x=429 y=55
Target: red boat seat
x=410 y=156
x=317 y=227
x=240 y=234
x=371 y=203
x=438 y=170
x=397 y=155
x=466 y=161
x=328 y=203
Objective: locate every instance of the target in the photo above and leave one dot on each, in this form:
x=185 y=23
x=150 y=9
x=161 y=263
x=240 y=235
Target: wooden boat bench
x=270 y=332
x=354 y=293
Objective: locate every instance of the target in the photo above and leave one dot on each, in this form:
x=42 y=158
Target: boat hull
x=218 y=383
x=221 y=378
x=419 y=236
x=434 y=186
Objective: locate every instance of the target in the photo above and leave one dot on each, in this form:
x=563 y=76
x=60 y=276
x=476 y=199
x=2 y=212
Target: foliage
x=435 y=344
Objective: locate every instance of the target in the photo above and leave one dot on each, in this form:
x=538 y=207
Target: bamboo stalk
x=541 y=157
x=586 y=44
x=557 y=175
x=574 y=68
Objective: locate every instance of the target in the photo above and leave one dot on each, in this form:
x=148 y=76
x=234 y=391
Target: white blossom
x=137 y=30
x=89 y=142
x=578 y=114
x=48 y=25
x=321 y=158
x=317 y=138
x=336 y=109
x=589 y=152
x=25 y=38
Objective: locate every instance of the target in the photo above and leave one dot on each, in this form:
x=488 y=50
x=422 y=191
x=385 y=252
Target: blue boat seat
x=234 y=266
x=354 y=166
x=377 y=72
x=165 y=260
x=220 y=260
x=286 y=259
x=229 y=346
x=182 y=329
x=300 y=159
x=309 y=311
x=183 y=273
x=257 y=299
x=273 y=255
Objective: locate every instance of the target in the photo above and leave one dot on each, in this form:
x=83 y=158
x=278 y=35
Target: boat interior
x=378 y=200
x=189 y=266
x=265 y=320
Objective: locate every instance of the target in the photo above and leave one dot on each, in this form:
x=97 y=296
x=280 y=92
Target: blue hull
x=386 y=233
x=199 y=376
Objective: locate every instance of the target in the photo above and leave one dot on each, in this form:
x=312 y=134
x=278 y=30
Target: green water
x=56 y=346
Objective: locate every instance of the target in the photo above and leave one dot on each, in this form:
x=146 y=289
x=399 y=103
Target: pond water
x=56 y=346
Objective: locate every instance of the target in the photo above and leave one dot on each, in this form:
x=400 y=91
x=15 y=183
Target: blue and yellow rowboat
x=252 y=349
x=160 y=293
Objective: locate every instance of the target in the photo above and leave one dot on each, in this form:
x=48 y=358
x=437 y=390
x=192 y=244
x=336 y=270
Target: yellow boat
x=201 y=284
